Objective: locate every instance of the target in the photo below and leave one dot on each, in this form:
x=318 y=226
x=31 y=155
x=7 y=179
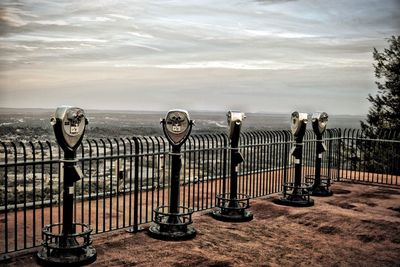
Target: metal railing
x=126 y=178
x=371 y=160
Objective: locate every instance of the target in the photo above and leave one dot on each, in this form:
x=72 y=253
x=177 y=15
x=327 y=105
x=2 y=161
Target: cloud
x=12 y=17
x=59 y=48
x=141 y=35
x=145 y=46
x=311 y=63
x=268 y=2
x=272 y=48
x=87 y=45
x=119 y=16
x=52 y=22
x=238 y=65
x=96 y=19
x=49 y=39
x=26 y=47
x=278 y=34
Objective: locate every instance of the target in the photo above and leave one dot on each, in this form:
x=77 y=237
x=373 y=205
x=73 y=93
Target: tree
x=385 y=111
x=383 y=119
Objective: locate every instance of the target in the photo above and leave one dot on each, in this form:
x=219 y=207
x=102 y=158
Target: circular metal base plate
x=5 y=258
x=294 y=202
x=321 y=192
x=84 y=257
x=239 y=217
x=154 y=232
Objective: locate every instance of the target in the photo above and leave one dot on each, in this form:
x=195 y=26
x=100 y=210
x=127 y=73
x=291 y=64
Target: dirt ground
x=358 y=226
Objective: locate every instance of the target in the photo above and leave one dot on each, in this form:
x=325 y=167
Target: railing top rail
x=371 y=139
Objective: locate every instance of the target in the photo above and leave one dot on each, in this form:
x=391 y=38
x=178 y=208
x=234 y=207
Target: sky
x=255 y=56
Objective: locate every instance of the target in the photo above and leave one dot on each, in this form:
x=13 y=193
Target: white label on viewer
x=320 y=155
x=296 y=161
x=74 y=129
x=237 y=169
x=71 y=190
x=176 y=128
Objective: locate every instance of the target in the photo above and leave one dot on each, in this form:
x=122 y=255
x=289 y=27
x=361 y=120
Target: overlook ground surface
x=358 y=226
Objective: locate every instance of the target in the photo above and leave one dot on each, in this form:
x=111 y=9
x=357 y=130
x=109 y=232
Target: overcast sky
x=256 y=56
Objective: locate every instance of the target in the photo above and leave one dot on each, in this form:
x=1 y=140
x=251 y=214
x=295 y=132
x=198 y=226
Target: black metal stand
x=231 y=209
x=67 y=247
x=173 y=222
x=232 y=206
x=296 y=194
x=320 y=184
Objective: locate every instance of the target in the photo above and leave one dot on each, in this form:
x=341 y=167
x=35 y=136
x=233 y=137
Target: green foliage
x=385 y=110
x=383 y=119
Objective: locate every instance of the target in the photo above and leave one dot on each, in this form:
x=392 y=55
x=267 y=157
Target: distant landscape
x=34 y=124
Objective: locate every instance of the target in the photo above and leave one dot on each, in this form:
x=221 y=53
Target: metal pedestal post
x=232 y=206
x=67 y=247
x=320 y=184
x=173 y=222
x=296 y=194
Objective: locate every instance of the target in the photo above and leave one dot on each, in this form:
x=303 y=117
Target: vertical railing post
x=339 y=154
x=286 y=157
x=16 y=197
x=329 y=154
x=135 y=227
x=224 y=163
x=5 y=258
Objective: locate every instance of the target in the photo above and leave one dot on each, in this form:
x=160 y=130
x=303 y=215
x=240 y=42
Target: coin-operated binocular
x=173 y=222
x=232 y=206
x=68 y=247
x=297 y=193
x=320 y=183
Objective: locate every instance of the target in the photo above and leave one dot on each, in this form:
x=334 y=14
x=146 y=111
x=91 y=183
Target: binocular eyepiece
x=69 y=125
x=177 y=126
x=75 y=116
x=299 y=123
x=319 y=122
x=235 y=119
